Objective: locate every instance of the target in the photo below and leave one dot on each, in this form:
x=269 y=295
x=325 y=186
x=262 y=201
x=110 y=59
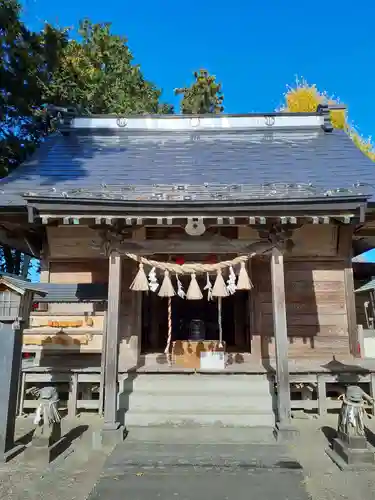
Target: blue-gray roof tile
x=133 y=163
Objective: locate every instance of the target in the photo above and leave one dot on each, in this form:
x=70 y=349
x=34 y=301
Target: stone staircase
x=151 y=399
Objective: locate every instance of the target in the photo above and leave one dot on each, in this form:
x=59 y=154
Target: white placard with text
x=212 y=360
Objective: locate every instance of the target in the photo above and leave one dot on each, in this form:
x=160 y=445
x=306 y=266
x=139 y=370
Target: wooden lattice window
x=9 y=303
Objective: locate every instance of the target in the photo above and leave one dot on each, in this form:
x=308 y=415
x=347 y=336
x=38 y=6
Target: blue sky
x=255 y=48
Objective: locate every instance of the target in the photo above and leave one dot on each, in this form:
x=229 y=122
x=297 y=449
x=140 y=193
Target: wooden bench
x=320 y=382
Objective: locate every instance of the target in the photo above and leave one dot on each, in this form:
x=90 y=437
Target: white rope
x=169 y=339
x=192 y=267
x=219 y=320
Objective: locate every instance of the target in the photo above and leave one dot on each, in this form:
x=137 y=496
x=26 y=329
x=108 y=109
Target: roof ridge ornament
x=323 y=109
x=121 y=122
x=269 y=120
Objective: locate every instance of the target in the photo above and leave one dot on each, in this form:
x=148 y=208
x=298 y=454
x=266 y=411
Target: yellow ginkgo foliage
x=305 y=98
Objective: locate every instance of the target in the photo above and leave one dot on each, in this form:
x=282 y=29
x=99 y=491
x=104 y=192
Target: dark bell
x=197 y=330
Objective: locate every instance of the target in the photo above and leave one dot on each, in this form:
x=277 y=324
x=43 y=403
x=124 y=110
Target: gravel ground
x=190 y=464
x=70 y=477
x=323 y=480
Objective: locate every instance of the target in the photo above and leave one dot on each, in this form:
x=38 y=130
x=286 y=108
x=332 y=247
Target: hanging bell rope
x=167 y=350
x=220 y=321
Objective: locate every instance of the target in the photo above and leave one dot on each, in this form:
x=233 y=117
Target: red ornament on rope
x=211 y=259
x=180 y=261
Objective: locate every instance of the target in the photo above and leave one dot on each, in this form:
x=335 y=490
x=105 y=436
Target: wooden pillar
x=345 y=249
x=281 y=338
x=246 y=340
x=351 y=309
x=112 y=343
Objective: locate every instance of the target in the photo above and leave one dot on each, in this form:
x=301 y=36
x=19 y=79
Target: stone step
x=182 y=402
x=144 y=436
x=197 y=383
x=181 y=419
x=214 y=453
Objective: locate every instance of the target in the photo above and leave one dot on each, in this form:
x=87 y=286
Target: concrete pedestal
x=42 y=447
x=285 y=432
x=352 y=453
x=109 y=436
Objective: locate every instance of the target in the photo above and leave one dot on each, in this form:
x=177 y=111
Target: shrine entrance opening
x=189 y=316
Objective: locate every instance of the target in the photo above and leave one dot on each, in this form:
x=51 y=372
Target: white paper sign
x=212 y=360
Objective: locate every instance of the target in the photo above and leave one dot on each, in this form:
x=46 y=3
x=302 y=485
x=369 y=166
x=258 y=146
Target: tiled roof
x=148 y=164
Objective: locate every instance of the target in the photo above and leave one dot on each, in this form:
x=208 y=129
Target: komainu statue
x=351 y=419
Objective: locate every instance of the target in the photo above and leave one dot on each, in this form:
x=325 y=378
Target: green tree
x=97 y=75
x=40 y=70
x=204 y=96
x=27 y=61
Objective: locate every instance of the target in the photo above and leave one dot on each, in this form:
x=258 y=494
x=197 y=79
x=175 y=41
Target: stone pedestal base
x=43 y=444
x=41 y=455
x=109 y=436
x=351 y=453
x=285 y=432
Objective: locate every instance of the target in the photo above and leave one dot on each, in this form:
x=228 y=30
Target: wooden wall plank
x=316 y=305
x=309 y=331
x=308 y=295
x=72 y=242
x=307 y=308
x=324 y=348
x=315 y=240
x=88 y=271
x=331 y=320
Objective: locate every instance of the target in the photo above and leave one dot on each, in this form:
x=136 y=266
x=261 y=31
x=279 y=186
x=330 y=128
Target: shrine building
x=197 y=269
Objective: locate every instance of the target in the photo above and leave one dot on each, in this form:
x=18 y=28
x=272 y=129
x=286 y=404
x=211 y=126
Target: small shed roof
x=367 y=287
x=21 y=285
x=60 y=292
x=365 y=257
x=81 y=292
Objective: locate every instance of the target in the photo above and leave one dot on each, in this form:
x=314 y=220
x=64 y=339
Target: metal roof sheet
x=62 y=292
x=367 y=287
